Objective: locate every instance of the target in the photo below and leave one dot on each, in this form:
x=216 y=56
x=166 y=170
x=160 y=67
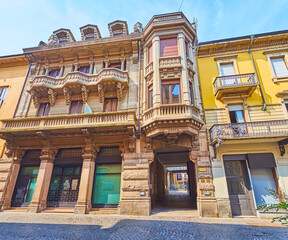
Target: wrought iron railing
x=234 y=81
x=249 y=129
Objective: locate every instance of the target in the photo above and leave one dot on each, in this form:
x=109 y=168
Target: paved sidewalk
x=16 y=225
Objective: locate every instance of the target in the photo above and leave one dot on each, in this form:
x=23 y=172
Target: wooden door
x=239 y=188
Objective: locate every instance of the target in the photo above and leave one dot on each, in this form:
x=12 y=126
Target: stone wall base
x=224 y=208
x=82 y=208
x=36 y=207
x=138 y=207
x=207 y=207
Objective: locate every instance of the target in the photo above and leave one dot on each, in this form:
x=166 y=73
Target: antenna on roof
x=180 y=5
x=195 y=22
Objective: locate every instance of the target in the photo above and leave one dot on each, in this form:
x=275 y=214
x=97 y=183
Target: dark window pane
x=54 y=73
x=150 y=98
x=89 y=37
x=44 y=109
x=115 y=65
x=175 y=93
x=84 y=69
x=76 y=107
x=110 y=105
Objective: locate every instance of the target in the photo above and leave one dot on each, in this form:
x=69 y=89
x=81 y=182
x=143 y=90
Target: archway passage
x=173 y=181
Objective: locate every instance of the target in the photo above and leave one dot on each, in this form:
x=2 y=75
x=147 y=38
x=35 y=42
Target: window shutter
x=168 y=47
x=150 y=54
x=279 y=67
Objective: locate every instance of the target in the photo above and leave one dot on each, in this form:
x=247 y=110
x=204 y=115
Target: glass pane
x=239 y=116
x=31 y=189
x=279 y=67
x=106 y=189
x=165 y=94
x=233 y=168
x=236 y=186
x=108 y=168
x=175 y=93
x=68 y=170
x=29 y=171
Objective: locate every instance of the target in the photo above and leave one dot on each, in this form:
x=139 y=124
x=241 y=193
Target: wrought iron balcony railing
x=249 y=130
x=241 y=84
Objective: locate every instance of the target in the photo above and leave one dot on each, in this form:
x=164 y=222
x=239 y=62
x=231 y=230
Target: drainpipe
x=24 y=84
x=264 y=108
x=139 y=85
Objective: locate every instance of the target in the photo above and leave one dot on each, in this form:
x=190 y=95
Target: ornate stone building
x=244 y=84
x=101 y=121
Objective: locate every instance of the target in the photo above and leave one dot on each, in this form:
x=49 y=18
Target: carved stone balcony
x=234 y=85
x=176 y=115
x=169 y=62
x=63 y=123
x=249 y=130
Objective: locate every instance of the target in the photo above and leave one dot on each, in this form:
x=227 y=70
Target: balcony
x=93 y=120
x=239 y=85
x=170 y=112
x=107 y=76
x=263 y=129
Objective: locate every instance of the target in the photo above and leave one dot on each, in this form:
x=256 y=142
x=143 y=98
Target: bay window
x=168 y=47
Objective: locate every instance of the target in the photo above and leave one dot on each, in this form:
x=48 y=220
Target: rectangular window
x=3 y=92
x=170 y=92
x=179 y=176
x=76 y=107
x=150 y=53
x=286 y=105
x=117 y=34
x=110 y=104
x=115 y=65
x=279 y=67
x=168 y=47
x=54 y=73
x=191 y=93
x=227 y=69
x=84 y=69
x=236 y=114
x=89 y=37
x=150 y=97
x=44 y=109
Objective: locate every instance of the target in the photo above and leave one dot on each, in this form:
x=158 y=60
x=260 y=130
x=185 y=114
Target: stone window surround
x=283 y=100
x=277 y=54
x=227 y=59
x=237 y=101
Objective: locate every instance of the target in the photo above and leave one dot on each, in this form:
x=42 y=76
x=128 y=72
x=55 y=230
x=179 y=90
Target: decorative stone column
x=47 y=69
x=184 y=76
x=135 y=198
x=61 y=70
x=86 y=182
x=156 y=75
x=39 y=198
x=16 y=155
x=206 y=200
x=91 y=67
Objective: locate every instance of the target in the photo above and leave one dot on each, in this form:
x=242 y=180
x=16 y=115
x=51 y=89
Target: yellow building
x=13 y=70
x=244 y=86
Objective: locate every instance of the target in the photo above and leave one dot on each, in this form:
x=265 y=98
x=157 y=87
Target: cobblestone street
x=67 y=226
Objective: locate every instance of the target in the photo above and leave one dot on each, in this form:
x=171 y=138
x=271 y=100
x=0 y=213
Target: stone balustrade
x=171 y=111
x=106 y=74
x=70 y=121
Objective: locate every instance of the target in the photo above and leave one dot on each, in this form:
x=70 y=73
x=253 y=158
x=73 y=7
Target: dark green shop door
x=106 y=189
x=25 y=186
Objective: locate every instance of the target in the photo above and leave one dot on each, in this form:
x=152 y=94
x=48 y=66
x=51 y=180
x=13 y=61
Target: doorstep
x=58 y=210
x=16 y=209
x=103 y=211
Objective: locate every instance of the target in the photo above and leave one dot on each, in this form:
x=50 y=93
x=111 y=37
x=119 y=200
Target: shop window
x=110 y=104
x=115 y=65
x=150 y=53
x=3 y=92
x=76 y=107
x=236 y=114
x=279 y=66
x=54 y=73
x=170 y=92
x=84 y=69
x=168 y=47
x=150 y=97
x=44 y=109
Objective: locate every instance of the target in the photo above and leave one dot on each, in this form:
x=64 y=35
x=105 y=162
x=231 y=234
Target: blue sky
x=24 y=23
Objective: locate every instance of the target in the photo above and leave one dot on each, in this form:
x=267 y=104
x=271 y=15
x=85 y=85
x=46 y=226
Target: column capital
x=181 y=35
x=48 y=154
x=155 y=38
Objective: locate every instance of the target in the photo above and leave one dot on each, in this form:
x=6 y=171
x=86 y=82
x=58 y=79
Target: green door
x=106 y=189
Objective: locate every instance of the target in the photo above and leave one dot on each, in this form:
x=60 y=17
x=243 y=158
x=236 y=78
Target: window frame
x=150 y=96
x=161 y=42
x=112 y=100
x=3 y=93
x=70 y=108
x=57 y=70
x=85 y=67
x=171 y=82
x=45 y=109
x=273 y=55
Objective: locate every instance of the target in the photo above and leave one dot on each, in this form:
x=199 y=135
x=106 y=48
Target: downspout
x=139 y=85
x=24 y=84
x=264 y=108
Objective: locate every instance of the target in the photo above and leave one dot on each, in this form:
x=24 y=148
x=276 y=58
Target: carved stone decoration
x=118 y=27
x=131 y=138
x=84 y=93
x=138 y=28
x=52 y=97
x=148 y=144
x=18 y=155
x=61 y=35
x=35 y=98
x=101 y=92
x=119 y=88
x=89 y=32
x=67 y=94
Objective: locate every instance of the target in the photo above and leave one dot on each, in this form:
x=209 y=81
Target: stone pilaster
x=86 y=182
x=11 y=157
x=184 y=75
x=206 y=200
x=135 y=197
x=156 y=75
x=39 y=198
